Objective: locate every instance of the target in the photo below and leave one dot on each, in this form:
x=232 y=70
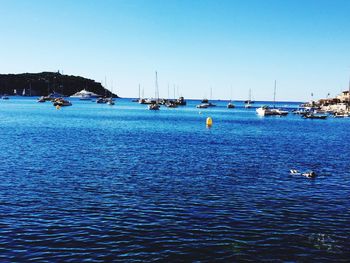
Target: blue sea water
x=99 y=183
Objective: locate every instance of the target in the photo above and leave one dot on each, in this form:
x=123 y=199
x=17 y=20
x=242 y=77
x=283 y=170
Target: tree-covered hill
x=41 y=84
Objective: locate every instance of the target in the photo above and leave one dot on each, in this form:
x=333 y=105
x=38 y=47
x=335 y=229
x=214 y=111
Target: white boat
x=42 y=99
x=203 y=106
x=85 y=95
x=110 y=101
x=267 y=111
x=171 y=104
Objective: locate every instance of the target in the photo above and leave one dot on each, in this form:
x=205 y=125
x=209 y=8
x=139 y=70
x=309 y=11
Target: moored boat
x=203 y=106
x=61 y=102
x=230 y=105
x=153 y=106
x=101 y=100
x=248 y=103
x=314 y=116
x=110 y=101
x=181 y=101
x=341 y=115
x=41 y=99
x=85 y=95
x=205 y=103
x=171 y=104
x=267 y=111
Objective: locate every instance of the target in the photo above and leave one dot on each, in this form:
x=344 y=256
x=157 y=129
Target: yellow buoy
x=209 y=122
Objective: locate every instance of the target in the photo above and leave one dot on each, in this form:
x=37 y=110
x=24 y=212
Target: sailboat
x=110 y=100
x=230 y=105
x=169 y=102
x=267 y=111
x=249 y=102
x=139 y=98
x=205 y=103
x=155 y=105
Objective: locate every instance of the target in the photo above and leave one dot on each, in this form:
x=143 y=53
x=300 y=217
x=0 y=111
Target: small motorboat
x=248 y=106
x=341 y=115
x=294 y=172
x=101 y=100
x=171 y=104
x=110 y=101
x=300 y=111
x=42 y=99
x=61 y=102
x=202 y=106
x=205 y=105
x=230 y=105
x=314 y=116
x=181 y=101
x=153 y=106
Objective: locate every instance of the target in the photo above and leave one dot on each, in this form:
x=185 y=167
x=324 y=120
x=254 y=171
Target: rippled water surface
x=121 y=183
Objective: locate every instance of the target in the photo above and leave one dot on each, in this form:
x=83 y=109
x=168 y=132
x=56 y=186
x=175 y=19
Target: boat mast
x=105 y=86
x=157 y=91
x=168 y=92
x=349 y=96
x=139 y=92
x=112 y=88
x=274 y=95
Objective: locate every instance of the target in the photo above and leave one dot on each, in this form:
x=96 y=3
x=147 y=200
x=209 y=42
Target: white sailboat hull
x=263 y=111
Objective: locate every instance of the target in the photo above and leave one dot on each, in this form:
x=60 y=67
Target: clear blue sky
x=193 y=44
